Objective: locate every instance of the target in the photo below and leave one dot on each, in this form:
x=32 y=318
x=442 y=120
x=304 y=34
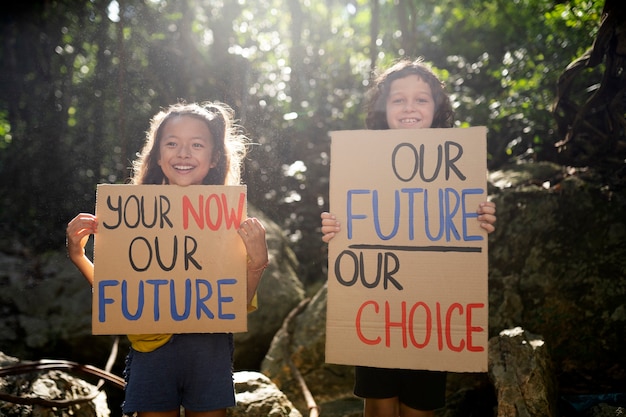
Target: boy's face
x=186 y=151
x=410 y=104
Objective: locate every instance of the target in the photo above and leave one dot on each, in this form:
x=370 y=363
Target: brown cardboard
x=436 y=296
x=177 y=243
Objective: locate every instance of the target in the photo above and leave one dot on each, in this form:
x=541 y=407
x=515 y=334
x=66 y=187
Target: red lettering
x=215 y=210
x=439 y=328
x=428 y=321
x=415 y=324
x=389 y=324
x=358 y=324
x=218 y=208
x=234 y=219
x=471 y=329
x=455 y=306
x=188 y=207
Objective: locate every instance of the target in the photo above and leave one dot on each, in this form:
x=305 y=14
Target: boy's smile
x=410 y=104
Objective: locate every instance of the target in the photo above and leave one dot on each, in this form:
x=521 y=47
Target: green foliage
x=5 y=131
x=82 y=79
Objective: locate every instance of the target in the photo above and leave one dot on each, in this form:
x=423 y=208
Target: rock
x=257 y=396
x=50 y=385
x=605 y=410
x=45 y=310
x=522 y=373
x=593 y=405
x=302 y=341
x=557 y=262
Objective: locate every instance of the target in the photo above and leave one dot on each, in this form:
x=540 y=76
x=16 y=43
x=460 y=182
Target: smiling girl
x=187 y=144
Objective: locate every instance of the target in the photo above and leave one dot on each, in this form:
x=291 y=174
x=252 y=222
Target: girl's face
x=410 y=104
x=186 y=151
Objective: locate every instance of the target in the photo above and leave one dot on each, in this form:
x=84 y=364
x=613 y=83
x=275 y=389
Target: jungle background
x=80 y=80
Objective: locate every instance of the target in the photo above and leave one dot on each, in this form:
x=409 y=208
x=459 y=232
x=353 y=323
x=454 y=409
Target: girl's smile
x=186 y=151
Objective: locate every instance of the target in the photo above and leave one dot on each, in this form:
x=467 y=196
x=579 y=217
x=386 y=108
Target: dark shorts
x=192 y=370
x=420 y=390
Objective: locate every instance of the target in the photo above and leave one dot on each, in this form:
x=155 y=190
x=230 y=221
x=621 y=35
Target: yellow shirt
x=150 y=342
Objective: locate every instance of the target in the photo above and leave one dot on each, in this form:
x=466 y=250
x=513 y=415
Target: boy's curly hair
x=376 y=114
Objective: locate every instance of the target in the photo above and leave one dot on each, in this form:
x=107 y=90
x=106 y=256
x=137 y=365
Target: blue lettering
x=221 y=299
x=200 y=306
x=173 y=310
x=427 y=217
x=469 y=215
x=350 y=215
x=102 y=301
x=204 y=293
x=157 y=283
x=140 y=302
x=443 y=218
x=411 y=192
x=396 y=215
x=451 y=210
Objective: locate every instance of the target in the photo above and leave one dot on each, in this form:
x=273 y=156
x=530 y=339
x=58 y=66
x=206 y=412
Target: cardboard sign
x=168 y=259
x=407 y=274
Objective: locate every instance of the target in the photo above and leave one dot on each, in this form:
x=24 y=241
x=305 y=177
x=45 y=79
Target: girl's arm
x=252 y=233
x=78 y=231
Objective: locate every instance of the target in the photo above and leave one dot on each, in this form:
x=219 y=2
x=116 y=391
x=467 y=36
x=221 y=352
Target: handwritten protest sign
x=407 y=274
x=168 y=259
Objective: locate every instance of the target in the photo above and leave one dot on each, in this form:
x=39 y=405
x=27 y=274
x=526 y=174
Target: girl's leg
x=406 y=411
x=173 y=413
x=391 y=407
x=213 y=413
x=188 y=413
x=381 y=407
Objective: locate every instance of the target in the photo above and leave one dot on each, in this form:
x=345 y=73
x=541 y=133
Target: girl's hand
x=487 y=215
x=252 y=232
x=78 y=231
x=330 y=226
